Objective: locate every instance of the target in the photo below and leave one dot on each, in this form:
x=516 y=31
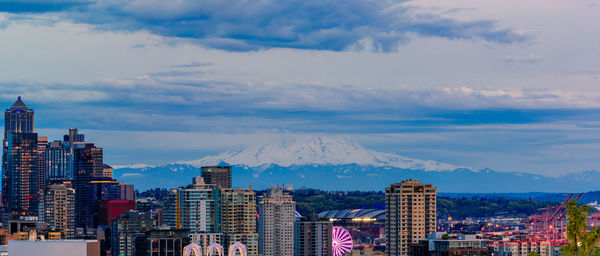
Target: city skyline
x=498 y=85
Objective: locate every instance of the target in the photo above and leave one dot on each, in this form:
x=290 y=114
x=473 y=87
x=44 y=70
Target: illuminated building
x=20 y=187
x=410 y=215
x=22 y=178
x=312 y=237
x=276 y=211
x=238 y=218
x=58 y=163
x=57 y=209
x=41 y=157
x=87 y=161
x=218 y=175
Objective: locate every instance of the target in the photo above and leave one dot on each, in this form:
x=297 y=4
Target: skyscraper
x=312 y=237
x=276 y=212
x=59 y=163
x=57 y=209
x=87 y=161
x=195 y=207
x=218 y=175
x=19 y=173
x=41 y=156
x=410 y=215
x=238 y=218
x=18 y=119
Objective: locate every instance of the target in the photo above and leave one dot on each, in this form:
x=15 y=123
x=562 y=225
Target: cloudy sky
x=512 y=85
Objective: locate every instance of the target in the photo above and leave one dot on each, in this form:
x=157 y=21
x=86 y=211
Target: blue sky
x=510 y=85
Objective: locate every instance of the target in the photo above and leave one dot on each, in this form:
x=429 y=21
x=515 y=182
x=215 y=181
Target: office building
x=410 y=215
x=104 y=189
x=57 y=210
x=21 y=174
x=54 y=247
x=312 y=237
x=276 y=211
x=126 y=229
x=58 y=163
x=87 y=161
x=218 y=175
x=442 y=244
x=41 y=157
x=238 y=218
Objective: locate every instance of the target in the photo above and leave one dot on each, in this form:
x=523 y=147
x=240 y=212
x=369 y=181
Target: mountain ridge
x=335 y=164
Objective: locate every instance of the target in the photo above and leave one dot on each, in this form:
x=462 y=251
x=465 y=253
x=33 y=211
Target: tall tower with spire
x=19 y=162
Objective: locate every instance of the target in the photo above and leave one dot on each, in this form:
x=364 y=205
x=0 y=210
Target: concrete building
x=312 y=237
x=218 y=175
x=442 y=244
x=54 y=247
x=126 y=230
x=276 y=211
x=238 y=218
x=107 y=172
x=410 y=215
x=57 y=209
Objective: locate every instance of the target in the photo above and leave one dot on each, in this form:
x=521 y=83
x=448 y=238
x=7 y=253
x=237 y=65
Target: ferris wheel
x=341 y=241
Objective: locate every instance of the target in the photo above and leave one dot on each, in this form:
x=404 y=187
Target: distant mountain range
x=336 y=164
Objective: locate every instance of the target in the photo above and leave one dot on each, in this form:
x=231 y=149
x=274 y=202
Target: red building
x=111 y=209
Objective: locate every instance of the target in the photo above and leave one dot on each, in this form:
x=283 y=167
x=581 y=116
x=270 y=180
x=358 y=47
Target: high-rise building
x=58 y=163
x=195 y=207
x=87 y=161
x=104 y=189
x=19 y=162
x=41 y=156
x=21 y=174
x=276 y=212
x=126 y=229
x=238 y=218
x=218 y=175
x=312 y=237
x=410 y=215
x=18 y=119
x=57 y=209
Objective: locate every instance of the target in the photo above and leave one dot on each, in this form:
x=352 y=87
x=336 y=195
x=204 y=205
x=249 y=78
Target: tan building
x=238 y=218
x=410 y=215
x=57 y=209
x=277 y=212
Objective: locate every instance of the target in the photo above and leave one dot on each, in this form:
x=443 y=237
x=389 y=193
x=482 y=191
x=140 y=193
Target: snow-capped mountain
x=318 y=150
x=336 y=164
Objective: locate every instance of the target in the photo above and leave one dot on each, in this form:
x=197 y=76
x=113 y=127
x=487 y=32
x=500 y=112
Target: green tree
x=533 y=253
x=581 y=241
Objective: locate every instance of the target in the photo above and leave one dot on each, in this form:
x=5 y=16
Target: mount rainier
x=335 y=164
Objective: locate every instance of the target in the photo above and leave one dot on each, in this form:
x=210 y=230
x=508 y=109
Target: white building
x=276 y=216
x=54 y=247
